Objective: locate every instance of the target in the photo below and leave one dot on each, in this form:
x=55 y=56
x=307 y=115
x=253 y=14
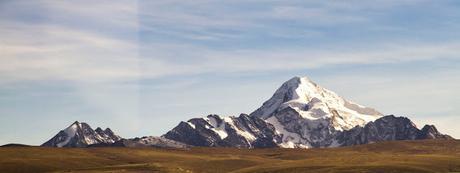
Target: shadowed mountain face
x=81 y=135
x=242 y=132
x=301 y=114
x=388 y=128
x=430 y=132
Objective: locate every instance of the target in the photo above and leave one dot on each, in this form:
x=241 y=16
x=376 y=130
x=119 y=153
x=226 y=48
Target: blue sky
x=140 y=67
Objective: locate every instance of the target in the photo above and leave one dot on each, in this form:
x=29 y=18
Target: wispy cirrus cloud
x=237 y=61
x=69 y=38
x=293 y=35
x=48 y=40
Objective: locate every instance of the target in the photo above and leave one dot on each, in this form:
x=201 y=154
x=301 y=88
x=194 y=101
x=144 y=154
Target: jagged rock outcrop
x=215 y=131
x=431 y=132
x=108 y=135
x=388 y=128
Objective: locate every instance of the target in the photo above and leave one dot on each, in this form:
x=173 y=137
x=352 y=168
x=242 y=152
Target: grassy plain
x=387 y=157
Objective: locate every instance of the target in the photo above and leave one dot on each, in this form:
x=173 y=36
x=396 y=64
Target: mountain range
x=300 y=114
x=82 y=135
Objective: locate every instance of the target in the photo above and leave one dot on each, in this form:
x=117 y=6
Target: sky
x=140 y=67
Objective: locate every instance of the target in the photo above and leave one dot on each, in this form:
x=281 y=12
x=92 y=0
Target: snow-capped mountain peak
x=80 y=134
x=314 y=102
x=308 y=115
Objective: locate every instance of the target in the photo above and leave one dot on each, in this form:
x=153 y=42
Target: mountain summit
x=314 y=102
x=81 y=135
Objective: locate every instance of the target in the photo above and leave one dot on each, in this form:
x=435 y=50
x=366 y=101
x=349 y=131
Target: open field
x=387 y=157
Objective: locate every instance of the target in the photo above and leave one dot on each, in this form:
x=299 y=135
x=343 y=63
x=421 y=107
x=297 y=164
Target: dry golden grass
x=402 y=156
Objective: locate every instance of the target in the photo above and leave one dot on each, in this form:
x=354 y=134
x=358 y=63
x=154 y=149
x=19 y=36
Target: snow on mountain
x=81 y=135
x=313 y=102
x=308 y=115
x=288 y=139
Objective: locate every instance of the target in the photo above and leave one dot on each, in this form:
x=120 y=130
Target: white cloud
x=52 y=52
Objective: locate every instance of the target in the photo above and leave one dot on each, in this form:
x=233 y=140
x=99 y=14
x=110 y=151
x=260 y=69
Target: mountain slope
x=142 y=142
x=81 y=135
x=215 y=131
x=151 y=141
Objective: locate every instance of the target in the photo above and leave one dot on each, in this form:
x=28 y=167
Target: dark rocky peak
x=431 y=132
x=108 y=131
x=99 y=130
